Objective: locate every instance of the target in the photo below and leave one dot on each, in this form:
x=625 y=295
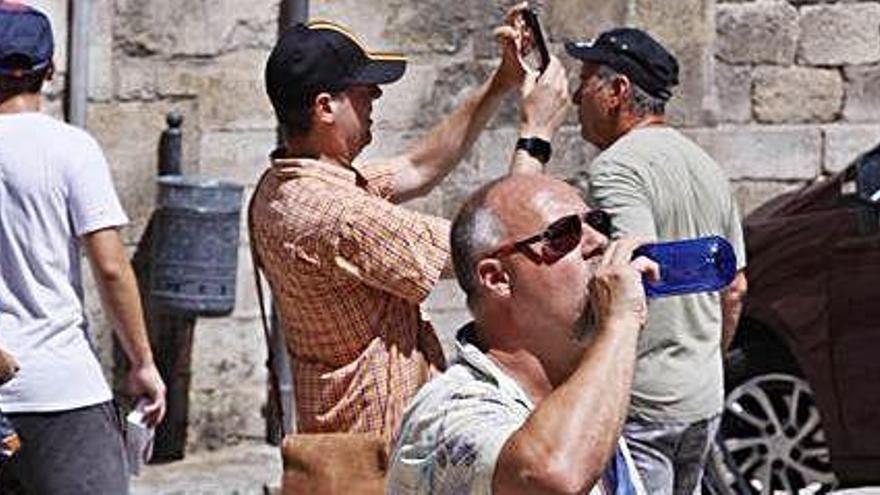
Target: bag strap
x=274 y=385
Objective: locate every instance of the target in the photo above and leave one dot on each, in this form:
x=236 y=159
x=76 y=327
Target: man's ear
x=493 y=277
x=322 y=110
x=621 y=92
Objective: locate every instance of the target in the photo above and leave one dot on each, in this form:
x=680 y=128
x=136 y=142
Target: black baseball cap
x=634 y=53
x=26 y=44
x=323 y=56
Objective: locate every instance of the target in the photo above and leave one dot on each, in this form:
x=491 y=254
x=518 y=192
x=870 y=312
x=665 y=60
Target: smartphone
x=530 y=18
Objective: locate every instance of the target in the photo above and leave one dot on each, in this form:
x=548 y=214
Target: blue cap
x=26 y=44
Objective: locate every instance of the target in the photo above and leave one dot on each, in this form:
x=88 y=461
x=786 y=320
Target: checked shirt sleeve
x=391 y=248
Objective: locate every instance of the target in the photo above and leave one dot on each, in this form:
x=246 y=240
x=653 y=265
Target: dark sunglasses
x=559 y=238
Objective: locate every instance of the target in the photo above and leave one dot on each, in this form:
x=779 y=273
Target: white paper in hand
x=138 y=439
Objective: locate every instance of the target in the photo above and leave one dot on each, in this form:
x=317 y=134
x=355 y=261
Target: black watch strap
x=539 y=148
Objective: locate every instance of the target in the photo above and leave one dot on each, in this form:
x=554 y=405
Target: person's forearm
x=437 y=153
x=119 y=294
x=524 y=163
x=573 y=432
x=731 y=307
x=128 y=317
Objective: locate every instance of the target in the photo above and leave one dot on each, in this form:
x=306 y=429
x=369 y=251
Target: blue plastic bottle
x=704 y=264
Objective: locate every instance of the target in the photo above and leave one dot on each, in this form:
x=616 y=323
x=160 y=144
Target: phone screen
x=530 y=18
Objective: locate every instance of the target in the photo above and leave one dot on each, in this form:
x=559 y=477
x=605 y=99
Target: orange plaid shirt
x=348 y=270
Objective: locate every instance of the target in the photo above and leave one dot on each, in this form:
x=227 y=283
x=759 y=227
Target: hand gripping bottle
x=705 y=264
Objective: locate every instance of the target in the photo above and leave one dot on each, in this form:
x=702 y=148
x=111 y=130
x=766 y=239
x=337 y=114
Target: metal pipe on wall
x=78 y=66
x=292 y=12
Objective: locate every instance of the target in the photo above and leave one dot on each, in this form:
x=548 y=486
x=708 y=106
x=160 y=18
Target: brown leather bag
x=331 y=463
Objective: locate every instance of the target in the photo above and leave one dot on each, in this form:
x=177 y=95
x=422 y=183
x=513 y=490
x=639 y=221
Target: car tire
x=771 y=439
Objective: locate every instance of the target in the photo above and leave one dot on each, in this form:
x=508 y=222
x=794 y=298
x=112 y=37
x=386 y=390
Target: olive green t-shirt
x=657 y=183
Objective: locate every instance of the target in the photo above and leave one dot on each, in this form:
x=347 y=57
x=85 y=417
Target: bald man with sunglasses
x=537 y=398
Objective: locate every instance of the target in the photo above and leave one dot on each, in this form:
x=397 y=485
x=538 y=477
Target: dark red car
x=802 y=412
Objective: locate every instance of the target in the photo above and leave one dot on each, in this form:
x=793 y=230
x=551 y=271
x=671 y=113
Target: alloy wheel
x=773 y=437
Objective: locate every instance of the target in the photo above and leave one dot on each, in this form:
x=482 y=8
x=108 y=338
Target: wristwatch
x=537 y=147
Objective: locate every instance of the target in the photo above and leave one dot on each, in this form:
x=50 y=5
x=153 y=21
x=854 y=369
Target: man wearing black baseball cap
x=56 y=201
x=658 y=184
x=348 y=267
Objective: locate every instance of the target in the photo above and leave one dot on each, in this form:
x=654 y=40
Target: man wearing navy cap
x=56 y=198
x=658 y=184
x=347 y=265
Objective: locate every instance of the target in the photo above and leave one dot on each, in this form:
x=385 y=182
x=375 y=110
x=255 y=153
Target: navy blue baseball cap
x=634 y=53
x=324 y=56
x=26 y=44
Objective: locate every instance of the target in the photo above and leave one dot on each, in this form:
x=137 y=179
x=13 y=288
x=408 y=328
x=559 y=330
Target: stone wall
x=797 y=84
x=780 y=92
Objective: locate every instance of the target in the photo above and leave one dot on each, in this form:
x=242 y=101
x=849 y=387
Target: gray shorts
x=67 y=453
x=670 y=457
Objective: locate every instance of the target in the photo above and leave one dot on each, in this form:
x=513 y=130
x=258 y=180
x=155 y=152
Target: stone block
x=436 y=26
x=862 y=93
x=135 y=78
x=431 y=204
x=687 y=29
x=762 y=32
x=751 y=194
x=416 y=28
x=844 y=143
x=490 y=14
x=100 y=50
x=194 y=28
x=221 y=418
x=493 y=151
x=579 y=20
x=229 y=89
x=571 y=153
x=228 y=387
x=734 y=85
x=764 y=152
x=452 y=85
x=367 y=18
x=840 y=34
x=388 y=143
x=797 y=94
x=404 y=104
x=129 y=134
x=237 y=156
x=695 y=99
x=455 y=192
x=228 y=353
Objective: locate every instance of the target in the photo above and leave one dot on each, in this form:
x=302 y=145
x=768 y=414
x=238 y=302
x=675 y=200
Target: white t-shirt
x=55 y=186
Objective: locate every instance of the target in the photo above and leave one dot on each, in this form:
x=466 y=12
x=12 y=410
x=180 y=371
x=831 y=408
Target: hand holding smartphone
x=530 y=18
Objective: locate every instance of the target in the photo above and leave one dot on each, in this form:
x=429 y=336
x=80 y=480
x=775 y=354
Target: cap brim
x=587 y=52
x=18 y=69
x=379 y=71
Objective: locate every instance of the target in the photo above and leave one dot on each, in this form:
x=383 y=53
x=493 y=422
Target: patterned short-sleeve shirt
x=453 y=433
x=348 y=269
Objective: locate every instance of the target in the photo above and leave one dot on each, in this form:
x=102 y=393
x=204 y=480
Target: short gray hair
x=475 y=230
x=643 y=103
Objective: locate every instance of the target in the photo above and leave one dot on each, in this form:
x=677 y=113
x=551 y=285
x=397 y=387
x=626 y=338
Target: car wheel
x=771 y=439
